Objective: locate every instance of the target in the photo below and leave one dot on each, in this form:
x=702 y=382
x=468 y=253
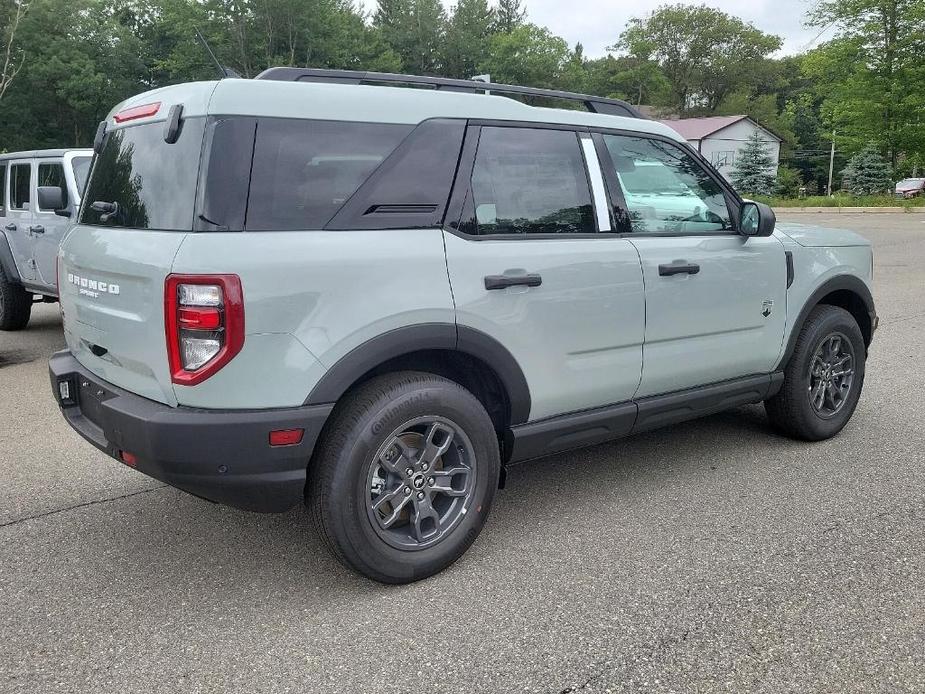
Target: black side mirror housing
x=756 y=219
x=51 y=198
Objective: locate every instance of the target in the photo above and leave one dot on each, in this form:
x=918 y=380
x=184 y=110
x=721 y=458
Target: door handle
x=10 y=227
x=505 y=281
x=38 y=229
x=678 y=267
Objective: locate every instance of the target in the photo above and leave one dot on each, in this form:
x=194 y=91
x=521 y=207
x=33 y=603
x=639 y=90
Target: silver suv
x=39 y=196
x=373 y=298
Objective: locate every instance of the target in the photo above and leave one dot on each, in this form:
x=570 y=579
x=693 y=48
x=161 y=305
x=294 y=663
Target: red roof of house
x=699 y=128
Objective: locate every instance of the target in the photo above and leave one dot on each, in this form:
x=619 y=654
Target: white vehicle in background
x=40 y=194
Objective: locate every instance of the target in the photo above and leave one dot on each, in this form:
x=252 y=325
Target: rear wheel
x=404 y=476
x=823 y=379
x=15 y=304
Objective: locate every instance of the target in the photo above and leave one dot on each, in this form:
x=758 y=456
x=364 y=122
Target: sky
x=598 y=23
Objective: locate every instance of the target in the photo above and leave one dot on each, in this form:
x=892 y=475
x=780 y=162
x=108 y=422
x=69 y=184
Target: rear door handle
x=10 y=227
x=678 y=267
x=505 y=281
x=38 y=229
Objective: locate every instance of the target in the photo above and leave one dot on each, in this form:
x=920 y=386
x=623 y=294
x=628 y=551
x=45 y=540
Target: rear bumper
x=220 y=455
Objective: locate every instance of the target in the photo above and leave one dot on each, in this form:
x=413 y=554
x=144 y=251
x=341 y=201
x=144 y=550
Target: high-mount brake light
x=204 y=322
x=135 y=112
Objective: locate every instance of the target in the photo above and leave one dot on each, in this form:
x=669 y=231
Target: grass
x=843 y=201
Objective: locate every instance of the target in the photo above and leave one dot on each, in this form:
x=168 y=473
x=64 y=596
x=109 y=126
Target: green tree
x=867 y=173
x=873 y=74
x=788 y=182
x=529 y=55
x=704 y=53
x=753 y=172
x=12 y=53
x=468 y=33
x=509 y=15
x=414 y=29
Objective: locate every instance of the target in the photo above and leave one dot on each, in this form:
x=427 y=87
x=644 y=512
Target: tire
x=15 y=304
x=359 y=481
x=792 y=411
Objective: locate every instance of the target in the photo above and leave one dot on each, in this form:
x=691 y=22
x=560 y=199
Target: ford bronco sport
x=39 y=196
x=307 y=286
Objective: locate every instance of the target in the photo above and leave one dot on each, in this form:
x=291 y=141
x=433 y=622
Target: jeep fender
x=430 y=336
x=848 y=283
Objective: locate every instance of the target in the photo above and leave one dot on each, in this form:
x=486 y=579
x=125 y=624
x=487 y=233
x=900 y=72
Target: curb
x=850 y=210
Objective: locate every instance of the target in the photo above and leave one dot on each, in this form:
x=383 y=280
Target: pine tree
x=754 y=168
x=508 y=16
x=867 y=173
x=467 y=34
x=414 y=29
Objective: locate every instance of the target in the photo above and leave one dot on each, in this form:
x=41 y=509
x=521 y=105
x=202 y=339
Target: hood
x=813 y=236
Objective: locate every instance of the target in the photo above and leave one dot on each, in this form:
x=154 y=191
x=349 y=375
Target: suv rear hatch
x=137 y=209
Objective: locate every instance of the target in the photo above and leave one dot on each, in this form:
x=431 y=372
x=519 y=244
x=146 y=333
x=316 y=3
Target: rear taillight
x=204 y=319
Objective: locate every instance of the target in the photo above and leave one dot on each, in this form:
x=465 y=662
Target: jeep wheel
x=823 y=379
x=15 y=305
x=404 y=476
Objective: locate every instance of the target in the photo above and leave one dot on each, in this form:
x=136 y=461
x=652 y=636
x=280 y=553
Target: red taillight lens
x=128 y=458
x=135 y=112
x=204 y=321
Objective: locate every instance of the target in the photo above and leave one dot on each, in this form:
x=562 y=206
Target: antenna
x=222 y=70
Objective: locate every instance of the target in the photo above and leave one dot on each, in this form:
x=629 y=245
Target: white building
x=720 y=138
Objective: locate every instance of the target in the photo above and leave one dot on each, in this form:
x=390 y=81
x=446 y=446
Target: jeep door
x=18 y=219
x=49 y=227
x=534 y=263
x=715 y=299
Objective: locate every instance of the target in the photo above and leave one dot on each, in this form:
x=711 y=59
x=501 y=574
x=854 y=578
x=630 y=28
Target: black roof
x=595 y=104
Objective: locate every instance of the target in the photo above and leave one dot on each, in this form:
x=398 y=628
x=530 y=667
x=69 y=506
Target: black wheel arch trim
x=7 y=264
x=429 y=336
x=838 y=283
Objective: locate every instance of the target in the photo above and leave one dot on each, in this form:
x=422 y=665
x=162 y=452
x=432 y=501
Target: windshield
x=652 y=179
x=142 y=182
x=81 y=167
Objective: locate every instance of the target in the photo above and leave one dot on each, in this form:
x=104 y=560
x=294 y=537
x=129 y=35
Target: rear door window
x=52 y=174
x=304 y=171
x=140 y=181
x=20 y=186
x=530 y=181
x=2 y=188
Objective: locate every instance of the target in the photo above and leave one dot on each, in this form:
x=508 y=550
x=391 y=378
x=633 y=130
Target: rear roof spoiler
x=594 y=104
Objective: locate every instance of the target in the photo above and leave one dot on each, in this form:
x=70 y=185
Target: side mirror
x=756 y=219
x=51 y=198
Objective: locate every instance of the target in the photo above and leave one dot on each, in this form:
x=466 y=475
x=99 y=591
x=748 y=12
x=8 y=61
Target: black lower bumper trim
x=220 y=455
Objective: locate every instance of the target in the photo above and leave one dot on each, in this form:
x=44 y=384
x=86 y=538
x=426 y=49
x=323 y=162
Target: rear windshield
x=142 y=182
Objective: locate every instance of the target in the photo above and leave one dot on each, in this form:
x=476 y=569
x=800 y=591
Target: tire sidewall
x=348 y=486
x=834 y=321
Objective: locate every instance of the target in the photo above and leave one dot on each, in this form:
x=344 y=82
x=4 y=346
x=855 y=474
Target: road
x=713 y=556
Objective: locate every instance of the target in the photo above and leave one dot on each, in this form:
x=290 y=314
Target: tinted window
x=530 y=181
x=2 y=186
x=20 y=178
x=81 y=166
x=665 y=189
x=142 y=182
x=53 y=175
x=304 y=171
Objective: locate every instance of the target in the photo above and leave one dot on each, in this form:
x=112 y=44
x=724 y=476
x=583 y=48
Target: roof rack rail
x=595 y=104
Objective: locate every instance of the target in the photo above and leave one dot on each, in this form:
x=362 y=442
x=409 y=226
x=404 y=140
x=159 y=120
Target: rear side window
x=52 y=174
x=20 y=180
x=140 y=181
x=2 y=188
x=304 y=171
x=530 y=181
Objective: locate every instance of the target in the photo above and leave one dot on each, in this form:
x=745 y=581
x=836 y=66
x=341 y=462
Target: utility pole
x=831 y=162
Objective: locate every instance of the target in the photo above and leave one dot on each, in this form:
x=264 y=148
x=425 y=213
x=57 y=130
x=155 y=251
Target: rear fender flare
x=6 y=260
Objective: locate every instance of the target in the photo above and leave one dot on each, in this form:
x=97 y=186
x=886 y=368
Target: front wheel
x=823 y=379
x=404 y=476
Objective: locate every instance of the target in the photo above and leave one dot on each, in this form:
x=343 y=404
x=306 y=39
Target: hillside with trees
x=65 y=63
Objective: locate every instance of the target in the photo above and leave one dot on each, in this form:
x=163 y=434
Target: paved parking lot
x=713 y=556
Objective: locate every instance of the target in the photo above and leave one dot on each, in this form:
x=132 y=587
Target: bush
x=788 y=183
